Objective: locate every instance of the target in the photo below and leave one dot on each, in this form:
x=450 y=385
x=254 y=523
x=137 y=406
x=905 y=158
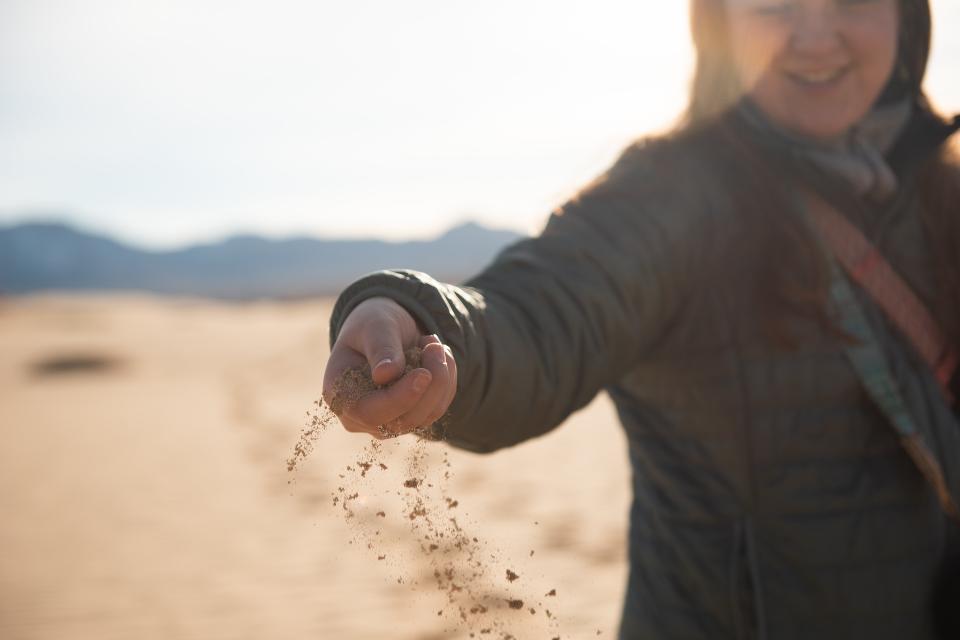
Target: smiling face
x=814 y=67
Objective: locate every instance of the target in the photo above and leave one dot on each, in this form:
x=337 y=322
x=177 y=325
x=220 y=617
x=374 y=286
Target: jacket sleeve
x=555 y=318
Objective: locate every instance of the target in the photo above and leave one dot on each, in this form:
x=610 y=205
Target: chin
x=824 y=131
x=824 y=119
x=826 y=126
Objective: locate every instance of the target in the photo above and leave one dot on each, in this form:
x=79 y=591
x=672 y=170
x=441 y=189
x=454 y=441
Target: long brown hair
x=939 y=186
x=787 y=276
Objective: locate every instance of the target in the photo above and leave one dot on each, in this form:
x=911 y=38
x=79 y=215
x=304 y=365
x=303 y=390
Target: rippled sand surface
x=145 y=492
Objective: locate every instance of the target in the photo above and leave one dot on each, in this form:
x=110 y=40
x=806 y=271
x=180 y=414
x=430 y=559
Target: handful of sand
x=352 y=385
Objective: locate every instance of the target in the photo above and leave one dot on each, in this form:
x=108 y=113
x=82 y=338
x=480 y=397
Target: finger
x=341 y=359
x=425 y=411
x=427 y=340
x=430 y=339
x=451 y=389
x=444 y=404
x=377 y=432
x=386 y=405
x=382 y=346
x=452 y=368
x=355 y=427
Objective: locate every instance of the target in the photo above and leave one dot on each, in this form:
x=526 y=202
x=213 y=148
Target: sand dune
x=145 y=493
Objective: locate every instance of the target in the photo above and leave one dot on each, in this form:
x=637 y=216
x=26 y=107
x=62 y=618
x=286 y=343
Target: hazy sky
x=170 y=121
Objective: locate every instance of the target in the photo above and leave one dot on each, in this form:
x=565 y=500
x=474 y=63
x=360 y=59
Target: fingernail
x=384 y=362
x=420 y=382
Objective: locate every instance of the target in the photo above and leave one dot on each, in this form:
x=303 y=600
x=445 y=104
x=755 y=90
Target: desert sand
x=145 y=492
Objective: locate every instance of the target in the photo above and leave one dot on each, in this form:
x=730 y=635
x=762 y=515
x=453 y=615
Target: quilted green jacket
x=771 y=499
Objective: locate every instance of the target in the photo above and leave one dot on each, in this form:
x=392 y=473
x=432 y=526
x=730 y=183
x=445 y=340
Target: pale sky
x=167 y=122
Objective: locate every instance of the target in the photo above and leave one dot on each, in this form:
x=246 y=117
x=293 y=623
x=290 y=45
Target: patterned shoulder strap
x=867 y=267
x=875 y=374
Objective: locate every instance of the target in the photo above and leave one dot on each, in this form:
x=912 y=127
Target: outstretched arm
x=555 y=318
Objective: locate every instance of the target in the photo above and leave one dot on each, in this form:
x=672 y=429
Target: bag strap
x=874 y=371
x=877 y=377
x=868 y=268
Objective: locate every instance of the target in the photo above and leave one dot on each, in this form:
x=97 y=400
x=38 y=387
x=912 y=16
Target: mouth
x=819 y=78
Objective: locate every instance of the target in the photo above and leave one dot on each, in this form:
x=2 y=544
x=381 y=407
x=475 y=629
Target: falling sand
x=348 y=389
x=474 y=600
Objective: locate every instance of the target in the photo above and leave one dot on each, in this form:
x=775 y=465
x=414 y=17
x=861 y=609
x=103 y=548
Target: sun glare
x=169 y=123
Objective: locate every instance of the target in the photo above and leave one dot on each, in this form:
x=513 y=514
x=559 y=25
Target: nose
x=816 y=30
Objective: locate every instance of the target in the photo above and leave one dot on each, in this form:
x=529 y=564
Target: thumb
x=384 y=352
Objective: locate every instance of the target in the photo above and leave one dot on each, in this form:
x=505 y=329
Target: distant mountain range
x=50 y=256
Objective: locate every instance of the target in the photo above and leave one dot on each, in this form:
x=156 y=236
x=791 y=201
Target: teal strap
x=876 y=376
x=866 y=356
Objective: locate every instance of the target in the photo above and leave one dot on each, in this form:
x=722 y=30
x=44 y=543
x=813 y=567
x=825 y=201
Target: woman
x=773 y=497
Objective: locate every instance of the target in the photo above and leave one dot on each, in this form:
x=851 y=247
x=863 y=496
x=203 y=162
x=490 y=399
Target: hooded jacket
x=771 y=498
